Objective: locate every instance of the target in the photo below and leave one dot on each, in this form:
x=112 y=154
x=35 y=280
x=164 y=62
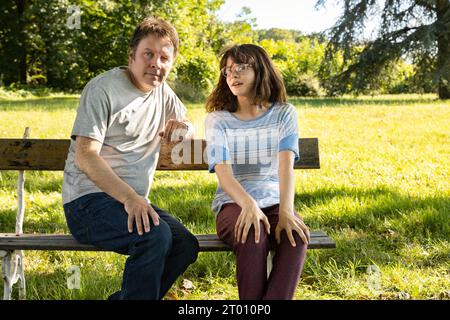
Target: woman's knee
x=251 y=246
x=300 y=245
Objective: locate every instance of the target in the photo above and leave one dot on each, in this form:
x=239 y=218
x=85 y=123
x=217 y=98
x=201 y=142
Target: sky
x=286 y=14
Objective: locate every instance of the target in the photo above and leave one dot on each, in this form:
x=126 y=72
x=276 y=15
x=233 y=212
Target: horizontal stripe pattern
x=251 y=147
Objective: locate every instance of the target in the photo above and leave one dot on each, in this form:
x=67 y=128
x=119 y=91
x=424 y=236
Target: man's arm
x=88 y=160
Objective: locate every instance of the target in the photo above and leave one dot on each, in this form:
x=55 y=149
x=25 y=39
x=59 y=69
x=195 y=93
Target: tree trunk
x=47 y=64
x=22 y=44
x=443 y=59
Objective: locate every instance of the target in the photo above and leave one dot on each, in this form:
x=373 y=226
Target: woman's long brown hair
x=268 y=86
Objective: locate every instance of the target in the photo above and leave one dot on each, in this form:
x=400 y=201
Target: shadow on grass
x=375 y=229
x=345 y=102
x=97 y=282
x=71 y=103
x=7 y=220
x=378 y=211
x=53 y=285
x=191 y=204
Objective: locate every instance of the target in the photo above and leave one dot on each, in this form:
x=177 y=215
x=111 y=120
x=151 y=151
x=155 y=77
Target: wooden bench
x=50 y=155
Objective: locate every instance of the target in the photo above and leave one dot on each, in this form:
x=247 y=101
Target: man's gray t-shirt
x=127 y=122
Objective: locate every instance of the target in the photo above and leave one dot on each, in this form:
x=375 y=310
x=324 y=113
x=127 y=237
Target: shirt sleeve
x=288 y=139
x=175 y=109
x=93 y=114
x=216 y=142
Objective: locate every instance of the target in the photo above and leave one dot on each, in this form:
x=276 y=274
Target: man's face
x=152 y=62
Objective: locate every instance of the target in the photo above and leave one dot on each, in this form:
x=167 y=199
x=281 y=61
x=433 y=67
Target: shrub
x=302 y=84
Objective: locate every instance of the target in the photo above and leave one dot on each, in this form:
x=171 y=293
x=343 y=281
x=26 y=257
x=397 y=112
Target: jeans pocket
x=83 y=203
x=76 y=222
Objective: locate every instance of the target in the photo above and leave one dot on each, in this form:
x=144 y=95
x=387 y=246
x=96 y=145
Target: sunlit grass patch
x=382 y=193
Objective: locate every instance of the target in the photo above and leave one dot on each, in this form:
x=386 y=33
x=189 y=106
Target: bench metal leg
x=13 y=264
x=12 y=272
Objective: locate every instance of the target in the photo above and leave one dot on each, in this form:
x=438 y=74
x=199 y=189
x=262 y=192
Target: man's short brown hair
x=155 y=26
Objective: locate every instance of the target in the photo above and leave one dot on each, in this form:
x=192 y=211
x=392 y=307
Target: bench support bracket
x=12 y=272
x=13 y=264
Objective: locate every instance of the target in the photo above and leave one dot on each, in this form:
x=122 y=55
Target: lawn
x=382 y=193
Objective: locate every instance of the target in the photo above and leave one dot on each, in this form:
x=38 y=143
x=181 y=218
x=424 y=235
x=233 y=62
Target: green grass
x=382 y=193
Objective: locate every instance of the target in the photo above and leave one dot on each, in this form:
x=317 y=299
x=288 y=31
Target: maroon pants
x=251 y=257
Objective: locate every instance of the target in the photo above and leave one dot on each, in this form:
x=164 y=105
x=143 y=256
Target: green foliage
x=38 y=47
x=68 y=58
x=303 y=84
x=413 y=29
x=298 y=61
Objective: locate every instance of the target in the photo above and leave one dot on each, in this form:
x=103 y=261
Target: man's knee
x=159 y=239
x=190 y=247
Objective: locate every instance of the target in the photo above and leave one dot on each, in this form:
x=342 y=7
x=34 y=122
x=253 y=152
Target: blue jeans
x=156 y=258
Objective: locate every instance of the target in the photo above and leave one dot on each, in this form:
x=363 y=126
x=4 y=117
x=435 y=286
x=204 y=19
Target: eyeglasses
x=238 y=68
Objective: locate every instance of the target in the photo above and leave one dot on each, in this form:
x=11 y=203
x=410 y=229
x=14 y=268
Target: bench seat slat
x=208 y=242
x=51 y=154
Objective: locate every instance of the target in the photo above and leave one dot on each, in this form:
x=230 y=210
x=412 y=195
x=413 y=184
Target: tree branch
x=427 y=4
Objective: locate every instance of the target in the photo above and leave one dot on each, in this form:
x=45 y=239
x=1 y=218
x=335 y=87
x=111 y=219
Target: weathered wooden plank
x=11 y=241
x=309 y=154
x=314 y=234
x=33 y=154
x=50 y=154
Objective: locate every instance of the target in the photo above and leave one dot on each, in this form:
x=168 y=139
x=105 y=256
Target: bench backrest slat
x=49 y=154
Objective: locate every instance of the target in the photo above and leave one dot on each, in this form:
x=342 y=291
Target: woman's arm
x=286 y=180
x=287 y=220
x=251 y=213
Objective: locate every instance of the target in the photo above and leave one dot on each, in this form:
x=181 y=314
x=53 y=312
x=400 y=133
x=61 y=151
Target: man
x=123 y=115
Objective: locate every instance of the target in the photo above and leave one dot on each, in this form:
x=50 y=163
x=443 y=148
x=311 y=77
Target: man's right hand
x=138 y=210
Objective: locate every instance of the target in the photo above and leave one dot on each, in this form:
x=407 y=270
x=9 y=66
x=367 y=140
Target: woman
x=252 y=144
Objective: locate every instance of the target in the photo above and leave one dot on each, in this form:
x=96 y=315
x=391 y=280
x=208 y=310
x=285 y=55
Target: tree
x=38 y=45
x=298 y=61
x=418 y=30
x=13 y=41
x=241 y=30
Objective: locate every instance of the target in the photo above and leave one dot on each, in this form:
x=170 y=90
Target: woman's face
x=240 y=78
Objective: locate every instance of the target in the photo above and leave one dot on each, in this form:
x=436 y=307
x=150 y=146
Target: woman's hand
x=290 y=222
x=250 y=215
